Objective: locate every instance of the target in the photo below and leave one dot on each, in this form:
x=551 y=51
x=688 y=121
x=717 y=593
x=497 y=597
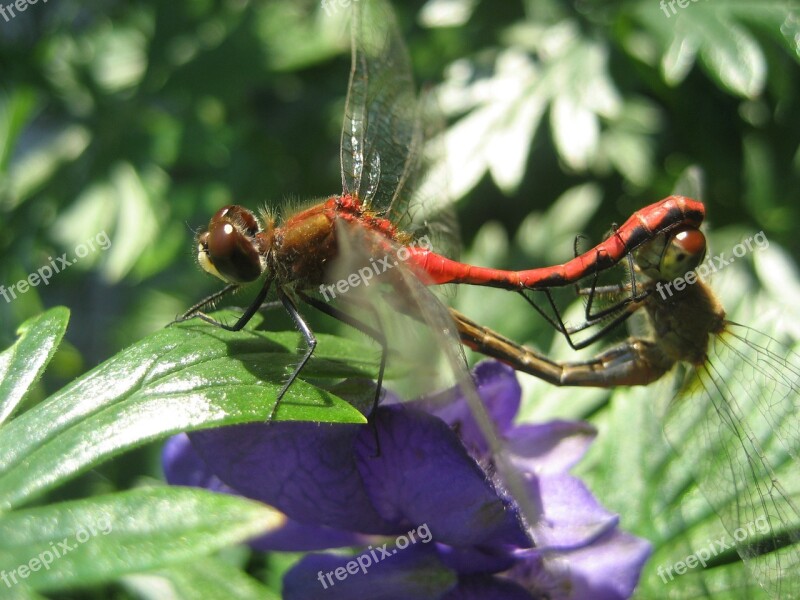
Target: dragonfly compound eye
x=684 y=252
x=228 y=249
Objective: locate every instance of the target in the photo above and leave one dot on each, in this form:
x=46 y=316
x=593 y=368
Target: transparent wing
x=429 y=213
x=386 y=155
x=736 y=419
x=420 y=334
x=380 y=131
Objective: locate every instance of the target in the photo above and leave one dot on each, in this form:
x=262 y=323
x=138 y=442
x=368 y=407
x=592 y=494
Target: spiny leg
x=622 y=310
x=619 y=310
x=310 y=340
x=197 y=308
x=633 y=297
x=630 y=289
x=376 y=334
x=243 y=320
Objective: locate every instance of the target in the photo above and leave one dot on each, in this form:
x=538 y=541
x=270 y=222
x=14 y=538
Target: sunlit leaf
x=23 y=363
x=100 y=539
x=180 y=378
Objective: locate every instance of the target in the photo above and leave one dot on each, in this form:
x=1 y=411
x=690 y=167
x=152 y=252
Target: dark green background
x=143 y=118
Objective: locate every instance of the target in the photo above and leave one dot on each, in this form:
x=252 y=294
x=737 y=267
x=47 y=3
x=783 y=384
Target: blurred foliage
x=141 y=119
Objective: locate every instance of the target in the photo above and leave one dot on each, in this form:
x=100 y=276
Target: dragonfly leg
x=369 y=331
x=620 y=310
x=358 y=325
x=630 y=289
x=196 y=310
x=557 y=323
x=308 y=336
x=616 y=289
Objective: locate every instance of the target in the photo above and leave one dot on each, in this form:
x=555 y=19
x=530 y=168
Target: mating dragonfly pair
x=379 y=213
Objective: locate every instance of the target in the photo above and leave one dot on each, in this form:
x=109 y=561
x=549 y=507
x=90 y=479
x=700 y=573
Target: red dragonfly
x=743 y=392
x=381 y=134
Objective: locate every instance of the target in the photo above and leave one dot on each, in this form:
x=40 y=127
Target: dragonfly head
x=673 y=254
x=231 y=247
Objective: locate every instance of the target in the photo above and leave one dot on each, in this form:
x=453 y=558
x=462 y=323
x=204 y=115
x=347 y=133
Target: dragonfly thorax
x=684 y=320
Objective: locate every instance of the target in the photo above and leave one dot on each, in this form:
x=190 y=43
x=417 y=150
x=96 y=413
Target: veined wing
x=737 y=419
x=380 y=131
x=429 y=339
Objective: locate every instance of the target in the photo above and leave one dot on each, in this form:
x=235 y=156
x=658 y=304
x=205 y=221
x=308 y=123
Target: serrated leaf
x=716 y=33
x=571 y=76
x=734 y=58
x=22 y=364
x=100 y=539
x=181 y=378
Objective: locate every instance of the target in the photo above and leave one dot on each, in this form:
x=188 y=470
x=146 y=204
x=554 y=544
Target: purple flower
x=428 y=520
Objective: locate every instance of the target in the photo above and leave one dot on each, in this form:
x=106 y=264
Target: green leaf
x=714 y=33
x=37 y=167
x=100 y=539
x=22 y=364
x=21 y=592
x=206 y=579
x=15 y=111
x=184 y=377
x=565 y=72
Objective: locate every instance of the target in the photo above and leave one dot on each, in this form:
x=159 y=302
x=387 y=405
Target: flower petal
x=474 y=559
x=301 y=537
x=610 y=568
x=306 y=470
x=487 y=588
x=550 y=448
x=183 y=466
x=425 y=476
x=501 y=393
x=414 y=572
x=572 y=516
